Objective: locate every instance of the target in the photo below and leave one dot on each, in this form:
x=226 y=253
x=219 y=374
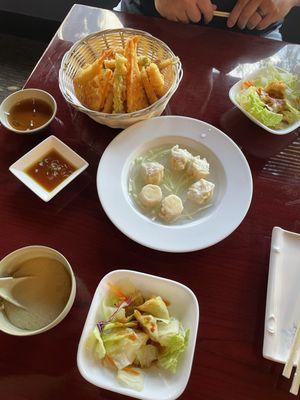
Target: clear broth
x=174 y=182
x=29 y=114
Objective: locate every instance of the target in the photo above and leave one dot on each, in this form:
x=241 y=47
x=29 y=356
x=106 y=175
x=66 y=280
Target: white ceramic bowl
x=236 y=88
x=52 y=142
x=159 y=384
x=23 y=94
x=229 y=171
x=7 y=265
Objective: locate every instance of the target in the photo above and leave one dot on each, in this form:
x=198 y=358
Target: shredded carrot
x=167 y=303
x=116 y=291
x=110 y=362
x=259 y=91
x=132 y=337
x=131 y=371
x=248 y=83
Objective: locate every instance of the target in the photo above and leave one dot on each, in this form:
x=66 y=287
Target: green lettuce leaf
x=149 y=324
x=99 y=349
x=165 y=330
x=122 y=344
x=156 y=307
x=132 y=377
x=175 y=346
x=251 y=102
x=118 y=315
x=274 y=74
x=292 y=114
x=146 y=355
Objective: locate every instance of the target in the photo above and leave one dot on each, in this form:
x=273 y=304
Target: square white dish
x=283 y=295
x=159 y=384
x=236 y=88
x=52 y=142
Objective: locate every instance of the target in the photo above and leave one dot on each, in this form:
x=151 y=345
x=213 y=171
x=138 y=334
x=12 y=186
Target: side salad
x=136 y=333
x=272 y=97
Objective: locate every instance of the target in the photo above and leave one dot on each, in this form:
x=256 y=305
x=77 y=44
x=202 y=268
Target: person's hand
x=259 y=14
x=185 y=10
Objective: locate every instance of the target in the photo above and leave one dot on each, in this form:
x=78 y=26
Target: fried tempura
x=119 y=50
x=122 y=81
x=152 y=98
x=84 y=78
x=108 y=105
x=111 y=64
x=119 y=84
x=156 y=79
x=136 y=97
x=105 y=85
x=89 y=72
x=87 y=83
x=143 y=61
x=166 y=63
x=92 y=94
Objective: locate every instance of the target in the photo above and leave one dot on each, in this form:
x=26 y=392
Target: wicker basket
x=87 y=50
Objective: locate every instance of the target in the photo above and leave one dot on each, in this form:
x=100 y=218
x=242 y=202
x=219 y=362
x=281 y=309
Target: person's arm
x=259 y=14
x=185 y=10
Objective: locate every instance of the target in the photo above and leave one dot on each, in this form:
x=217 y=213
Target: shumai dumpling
x=150 y=195
x=171 y=208
x=198 y=167
x=152 y=172
x=200 y=191
x=179 y=158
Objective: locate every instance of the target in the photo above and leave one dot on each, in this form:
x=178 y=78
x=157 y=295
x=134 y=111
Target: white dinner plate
x=229 y=171
x=283 y=295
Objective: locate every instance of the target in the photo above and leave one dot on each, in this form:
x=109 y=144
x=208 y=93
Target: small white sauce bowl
x=24 y=94
x=21 y=255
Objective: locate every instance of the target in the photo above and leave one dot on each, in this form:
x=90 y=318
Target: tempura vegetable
x=151 y=95
x=156 y=79
x=136 y=97
x=119 y=85
x=87 y=83
x=122 y=80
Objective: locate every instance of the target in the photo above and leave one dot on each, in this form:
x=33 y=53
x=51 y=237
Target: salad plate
x=230 y=172
x=159 y=383
x=283 y=296
x=249 y=102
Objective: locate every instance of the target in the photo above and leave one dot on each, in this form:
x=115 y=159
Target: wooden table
x=229 y=278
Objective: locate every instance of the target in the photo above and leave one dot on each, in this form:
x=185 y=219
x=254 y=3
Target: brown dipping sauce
x=50 y=170
x=29 y=114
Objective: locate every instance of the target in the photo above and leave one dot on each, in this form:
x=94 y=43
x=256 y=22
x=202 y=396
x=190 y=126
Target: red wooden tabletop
x=229 y=278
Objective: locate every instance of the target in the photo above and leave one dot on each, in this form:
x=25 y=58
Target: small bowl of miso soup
x=28 y=111
x=42 y=289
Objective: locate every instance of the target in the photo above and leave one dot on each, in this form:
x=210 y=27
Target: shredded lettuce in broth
x=174 y=182
x=136 y=333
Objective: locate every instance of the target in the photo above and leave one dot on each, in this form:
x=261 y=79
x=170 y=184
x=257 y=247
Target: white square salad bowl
x=159 y=384
x=236 y=88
